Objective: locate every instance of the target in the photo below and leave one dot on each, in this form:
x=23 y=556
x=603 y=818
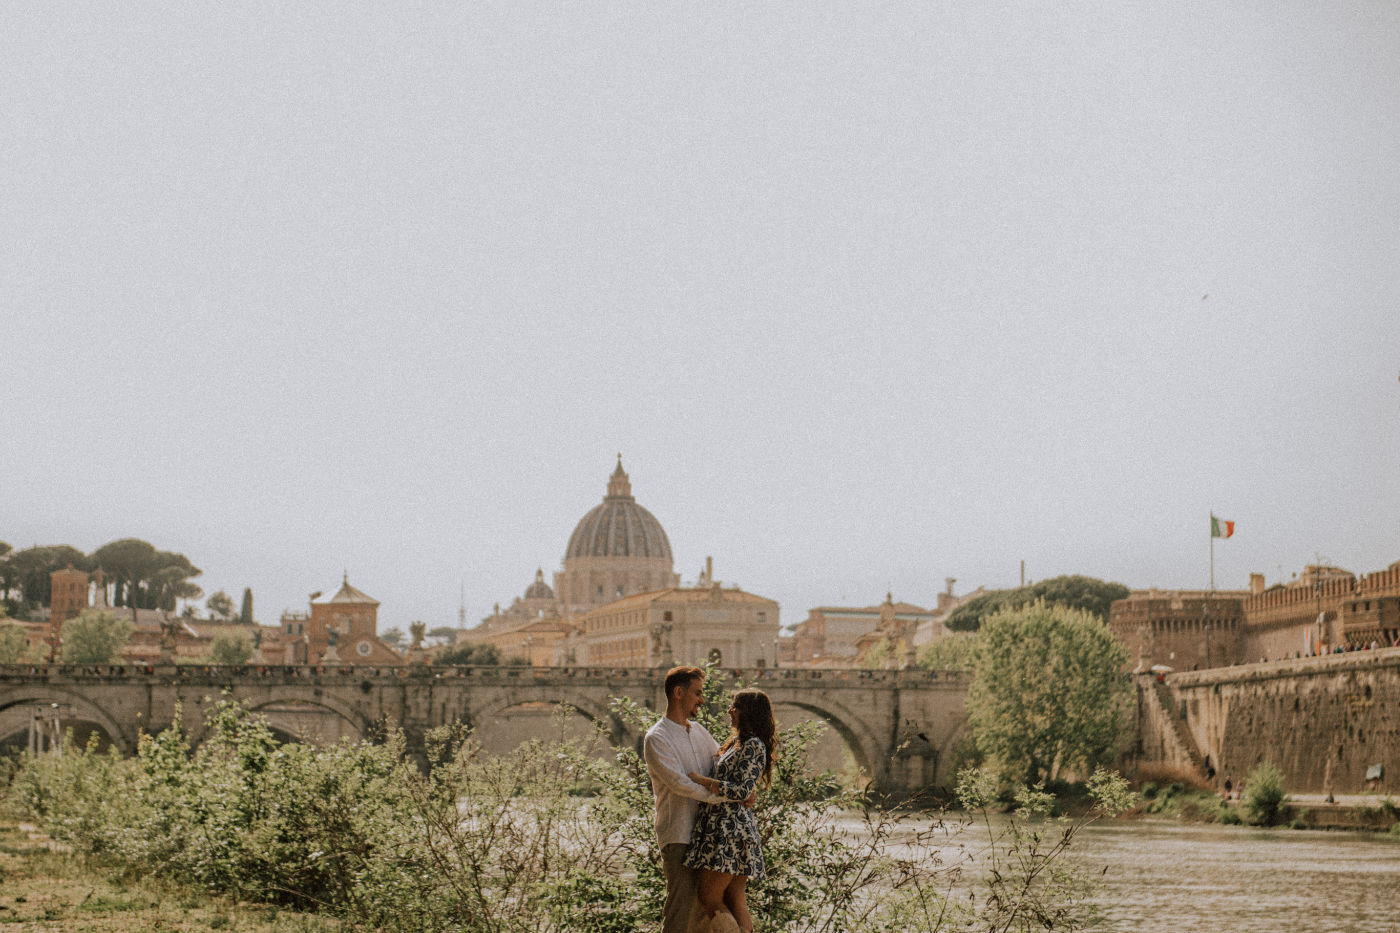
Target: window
x=619 y=589
x=666 y=616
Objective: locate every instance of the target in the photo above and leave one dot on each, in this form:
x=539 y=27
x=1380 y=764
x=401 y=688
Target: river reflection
x=1168 y=878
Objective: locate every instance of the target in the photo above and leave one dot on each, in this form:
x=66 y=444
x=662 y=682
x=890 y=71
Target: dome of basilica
x=619 y=527
x=539 y=589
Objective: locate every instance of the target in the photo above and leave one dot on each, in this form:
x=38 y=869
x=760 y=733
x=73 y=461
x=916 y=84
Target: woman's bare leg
x=710 y=891
x=737 y=900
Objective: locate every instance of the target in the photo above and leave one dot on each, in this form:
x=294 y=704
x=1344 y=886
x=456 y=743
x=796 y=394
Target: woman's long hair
x=755 y=718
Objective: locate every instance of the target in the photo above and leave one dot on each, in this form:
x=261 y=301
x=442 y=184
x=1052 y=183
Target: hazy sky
x=866 y=295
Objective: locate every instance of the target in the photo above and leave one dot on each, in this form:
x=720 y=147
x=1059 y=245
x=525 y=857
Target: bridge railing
x=203 y=672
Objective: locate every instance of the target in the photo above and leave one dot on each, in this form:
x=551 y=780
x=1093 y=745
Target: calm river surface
x=1217 y=879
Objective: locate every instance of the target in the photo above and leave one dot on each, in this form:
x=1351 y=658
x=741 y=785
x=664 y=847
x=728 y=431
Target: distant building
x=678 y=625
x=617 y=569
x=1321 y=610
x=1180 y=629
x=617 y=549
x=843 y=636
x=341 y=629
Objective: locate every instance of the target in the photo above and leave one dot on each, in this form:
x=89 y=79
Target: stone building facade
x=1320 y=611
x=677 y=625
x=1180 y=629
x=341 y=629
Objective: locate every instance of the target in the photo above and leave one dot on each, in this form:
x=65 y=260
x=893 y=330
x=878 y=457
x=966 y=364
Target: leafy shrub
x=1264 y=795
x=1149 y=790
x=1229 y=816
x=547 y=838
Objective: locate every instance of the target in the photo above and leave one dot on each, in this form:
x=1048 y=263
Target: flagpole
x=1212 y=552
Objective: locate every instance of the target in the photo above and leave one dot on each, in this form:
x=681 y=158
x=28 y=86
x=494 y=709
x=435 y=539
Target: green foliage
x=1075 y=592
x=1264 y=795
x=94 y=637
x=245 y=612
x=145 y=578
x=13 y=642
x=393 y=637
x=27 y=571
x=548 y=838
x=1029 y=886
x=442 y=634
x=954 y=653
x=481 y=654
x=1229 y=816
x=220 y=605
x=231 y=648
x=1047 y=693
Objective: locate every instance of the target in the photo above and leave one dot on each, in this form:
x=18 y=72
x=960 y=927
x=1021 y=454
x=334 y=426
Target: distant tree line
x=1073 y=592
x=136 y=573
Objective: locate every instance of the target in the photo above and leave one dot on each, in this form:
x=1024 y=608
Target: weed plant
x=547 y=838
x=1265 y=796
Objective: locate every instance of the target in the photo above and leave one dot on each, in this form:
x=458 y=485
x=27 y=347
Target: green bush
x=1229 y=816
x=1264 y=795
x=547 y=838
x=1149 y=790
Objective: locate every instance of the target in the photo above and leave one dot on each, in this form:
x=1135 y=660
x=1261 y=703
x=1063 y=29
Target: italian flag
x=1219 y=528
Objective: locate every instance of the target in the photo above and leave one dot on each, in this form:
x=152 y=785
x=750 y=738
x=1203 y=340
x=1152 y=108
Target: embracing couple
x=705 y=794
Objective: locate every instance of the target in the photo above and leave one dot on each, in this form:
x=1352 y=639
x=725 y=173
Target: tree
x=145 y=578
x=28 y=570
x=1076 y=592
x=230 y=648
x=94 y=637
x=13 y=642
x=443 y=634
x=245 y=614
x=470 y=653
x=220 y=605
x=393 y=637
x=953 y=653
x=1047 y=692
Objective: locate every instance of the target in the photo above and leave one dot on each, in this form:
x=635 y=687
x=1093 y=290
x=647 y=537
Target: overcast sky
x=866 y=295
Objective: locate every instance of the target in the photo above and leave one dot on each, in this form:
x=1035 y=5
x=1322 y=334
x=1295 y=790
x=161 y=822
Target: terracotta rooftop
x=348 y=594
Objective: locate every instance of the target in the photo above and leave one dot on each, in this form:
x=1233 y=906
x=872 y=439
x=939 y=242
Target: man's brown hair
x=681 y=677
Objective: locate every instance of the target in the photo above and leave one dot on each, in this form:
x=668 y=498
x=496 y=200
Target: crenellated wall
x=1324 y=721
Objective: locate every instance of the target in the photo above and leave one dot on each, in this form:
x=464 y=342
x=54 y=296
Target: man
x=673 y=748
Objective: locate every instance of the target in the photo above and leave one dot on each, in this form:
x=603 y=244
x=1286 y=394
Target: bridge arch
x=619 y=734
x=870 y=753
x=281 y=712
x=15 y=712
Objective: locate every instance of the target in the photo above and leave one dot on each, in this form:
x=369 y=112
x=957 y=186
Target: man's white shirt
x=672 y=751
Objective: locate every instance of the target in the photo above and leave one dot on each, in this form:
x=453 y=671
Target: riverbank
x=43 y=887
x=1351 y=812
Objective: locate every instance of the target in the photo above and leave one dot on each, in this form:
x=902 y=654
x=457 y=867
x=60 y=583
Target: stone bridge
x=900 y=726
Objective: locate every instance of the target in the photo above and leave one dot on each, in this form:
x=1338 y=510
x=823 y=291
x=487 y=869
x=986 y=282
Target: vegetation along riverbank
x=546 y=838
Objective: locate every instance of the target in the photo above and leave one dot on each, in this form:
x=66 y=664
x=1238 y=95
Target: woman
x=724 y=845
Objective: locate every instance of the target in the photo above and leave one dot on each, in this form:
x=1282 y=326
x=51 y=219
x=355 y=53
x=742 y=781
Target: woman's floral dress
x=725 y=838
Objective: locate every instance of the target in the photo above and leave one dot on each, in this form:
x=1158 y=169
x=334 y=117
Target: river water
x=1175 y=878
x=1227 y=879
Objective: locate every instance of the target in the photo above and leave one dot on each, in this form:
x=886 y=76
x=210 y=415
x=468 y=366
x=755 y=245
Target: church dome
x=539 y=589
x=619 y=527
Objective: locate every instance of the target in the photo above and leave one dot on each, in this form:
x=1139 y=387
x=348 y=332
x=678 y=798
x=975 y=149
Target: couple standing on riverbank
x=704 y=798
